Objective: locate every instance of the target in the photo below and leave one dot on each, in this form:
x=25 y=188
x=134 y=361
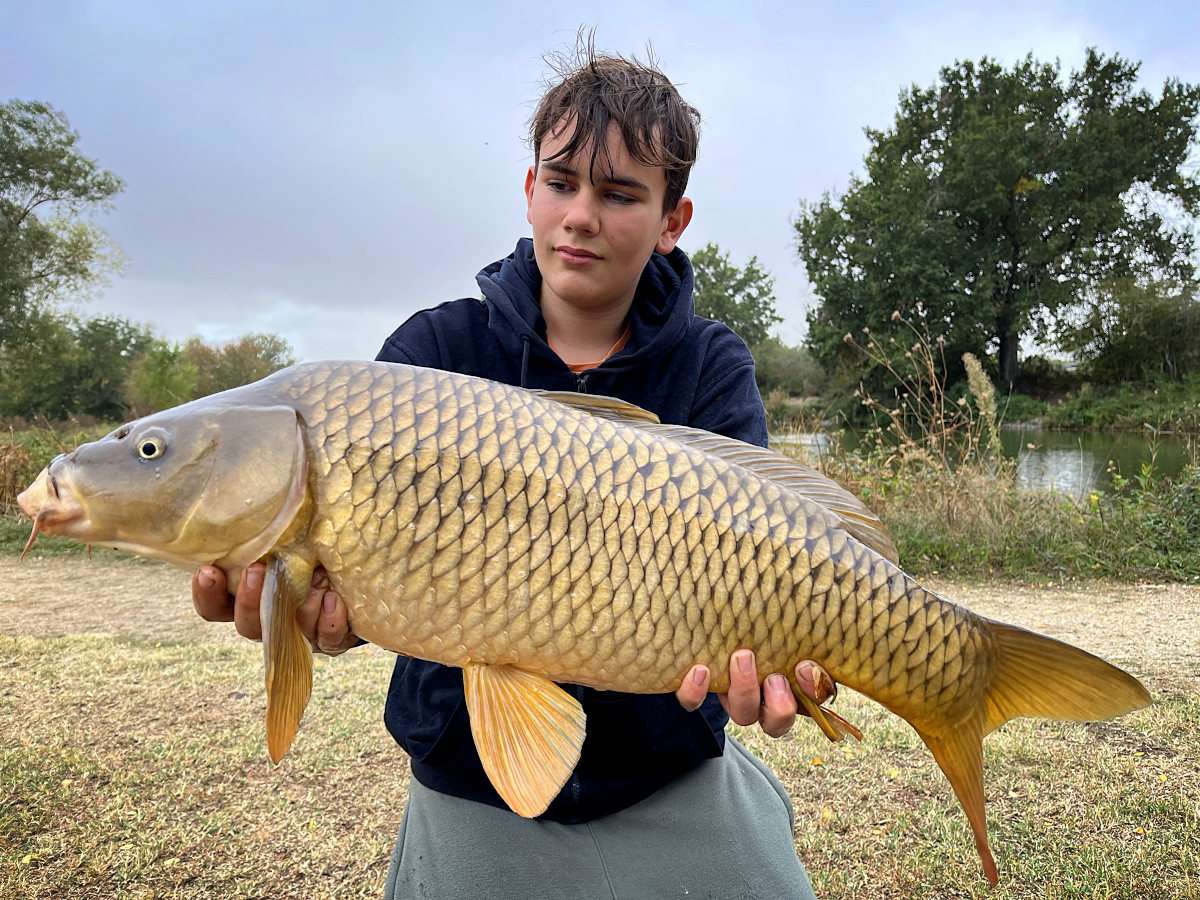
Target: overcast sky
x=323 y=170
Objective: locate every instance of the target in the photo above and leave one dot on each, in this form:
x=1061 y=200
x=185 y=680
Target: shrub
x=792 y=370
x=1046 y=378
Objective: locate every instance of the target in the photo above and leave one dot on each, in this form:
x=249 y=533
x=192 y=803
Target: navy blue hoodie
x=688 y=370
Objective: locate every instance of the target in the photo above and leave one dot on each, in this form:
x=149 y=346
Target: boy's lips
x=575 y=255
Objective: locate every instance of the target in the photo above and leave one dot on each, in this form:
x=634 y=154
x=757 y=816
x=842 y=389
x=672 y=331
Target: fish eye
x=150 y=448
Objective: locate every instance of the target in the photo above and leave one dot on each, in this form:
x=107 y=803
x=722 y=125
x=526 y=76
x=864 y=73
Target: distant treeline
x=109 y=368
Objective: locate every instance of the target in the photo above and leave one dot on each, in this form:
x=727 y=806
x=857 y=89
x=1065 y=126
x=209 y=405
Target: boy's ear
x=674 y=224
x=530 y=180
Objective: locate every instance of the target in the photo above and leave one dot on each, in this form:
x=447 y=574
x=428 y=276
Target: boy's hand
x=322 y=617
x=772 y=704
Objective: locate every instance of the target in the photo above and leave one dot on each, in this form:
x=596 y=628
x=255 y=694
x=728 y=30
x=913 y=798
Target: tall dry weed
x=14 y=470
x=931 y=454
x=25 y=452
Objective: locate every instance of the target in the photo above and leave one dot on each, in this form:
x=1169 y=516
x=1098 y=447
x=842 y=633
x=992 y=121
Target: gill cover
x=259 y=480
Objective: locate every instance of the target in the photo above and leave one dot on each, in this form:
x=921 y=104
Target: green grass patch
x=14 y=532
x=984 y=527
x=968 y=519
x=1021 y=408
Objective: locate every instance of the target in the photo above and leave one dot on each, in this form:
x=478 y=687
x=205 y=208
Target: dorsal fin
x=853 y=514
x=599 y=405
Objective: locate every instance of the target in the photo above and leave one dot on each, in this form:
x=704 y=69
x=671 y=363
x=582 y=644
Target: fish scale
x=536 y=538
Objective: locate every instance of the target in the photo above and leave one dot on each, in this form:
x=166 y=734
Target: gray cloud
x=323 y=173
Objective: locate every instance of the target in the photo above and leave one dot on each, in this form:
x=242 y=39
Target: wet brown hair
x=594 y=89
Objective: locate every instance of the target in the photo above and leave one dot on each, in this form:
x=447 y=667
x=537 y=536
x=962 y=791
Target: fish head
x=201 y=483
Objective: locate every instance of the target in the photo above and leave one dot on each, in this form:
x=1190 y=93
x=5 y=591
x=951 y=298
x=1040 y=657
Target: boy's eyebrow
x=564 y=169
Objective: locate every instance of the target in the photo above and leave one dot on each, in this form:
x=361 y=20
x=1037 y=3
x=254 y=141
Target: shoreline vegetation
x=1166 y=407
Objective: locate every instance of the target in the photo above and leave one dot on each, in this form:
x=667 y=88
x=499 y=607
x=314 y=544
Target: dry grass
x=132 y=762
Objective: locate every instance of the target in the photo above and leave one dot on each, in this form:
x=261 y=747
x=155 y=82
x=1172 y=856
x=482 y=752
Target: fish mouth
x=51 y=504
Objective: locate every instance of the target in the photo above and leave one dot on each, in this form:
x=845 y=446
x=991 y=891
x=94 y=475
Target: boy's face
x=592 y=240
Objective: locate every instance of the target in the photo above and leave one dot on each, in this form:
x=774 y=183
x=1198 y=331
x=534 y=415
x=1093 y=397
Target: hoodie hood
x=659 y=318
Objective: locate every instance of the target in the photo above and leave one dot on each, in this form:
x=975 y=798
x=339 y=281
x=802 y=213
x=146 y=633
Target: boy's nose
x=581 y=215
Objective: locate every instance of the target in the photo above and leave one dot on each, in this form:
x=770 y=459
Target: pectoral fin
x=287 y=654
x=528 y=732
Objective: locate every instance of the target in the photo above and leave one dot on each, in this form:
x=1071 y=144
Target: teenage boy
x=662 y=803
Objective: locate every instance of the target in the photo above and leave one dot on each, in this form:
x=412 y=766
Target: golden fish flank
x=532 y=538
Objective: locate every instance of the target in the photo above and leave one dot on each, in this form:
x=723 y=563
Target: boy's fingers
x=694 y=688
x=322 y=619
x=210 y=595
x=333 y=627
x=744 y=698
x=245 y=608
x=320 y=579
x=779 y=706
x=309 y=613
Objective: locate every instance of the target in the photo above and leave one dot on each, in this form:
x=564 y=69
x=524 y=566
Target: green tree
x=779 y=367
x=998 y=199
x=40 y=380
x=247 y=359
x=105 y=349
x=162 y=376
x=48 y=250
x=68 y=366
x=743 y=298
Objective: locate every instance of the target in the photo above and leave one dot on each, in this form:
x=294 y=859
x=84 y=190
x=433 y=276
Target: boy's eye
x=557 y=185
x=620 y=198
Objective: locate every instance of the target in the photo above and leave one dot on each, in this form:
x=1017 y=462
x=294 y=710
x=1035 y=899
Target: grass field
x=132 y=760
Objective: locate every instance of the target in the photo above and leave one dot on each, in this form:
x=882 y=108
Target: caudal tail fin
x=1032 y=675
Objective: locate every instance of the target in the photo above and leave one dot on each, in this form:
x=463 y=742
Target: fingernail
x=254 y=577
x=329 y=602
x=776 y=684
x=807 y=676
x=745 y=661
x=206 y=578
x=699 y=674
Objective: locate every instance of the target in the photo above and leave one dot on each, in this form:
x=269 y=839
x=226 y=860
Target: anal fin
x=959 y=753
x=288 y=656
x=528 y=731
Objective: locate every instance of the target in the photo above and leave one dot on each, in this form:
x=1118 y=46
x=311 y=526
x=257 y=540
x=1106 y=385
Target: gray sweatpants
x=722 y=831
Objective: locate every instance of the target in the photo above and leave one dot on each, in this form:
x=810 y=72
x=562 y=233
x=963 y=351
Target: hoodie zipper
x=574 y=788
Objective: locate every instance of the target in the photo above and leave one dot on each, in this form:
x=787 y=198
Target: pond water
x=1073 y=462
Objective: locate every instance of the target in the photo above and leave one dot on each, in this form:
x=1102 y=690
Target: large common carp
x=534 y=538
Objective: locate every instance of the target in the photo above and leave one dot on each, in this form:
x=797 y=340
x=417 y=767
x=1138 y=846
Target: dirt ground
x=61 y=595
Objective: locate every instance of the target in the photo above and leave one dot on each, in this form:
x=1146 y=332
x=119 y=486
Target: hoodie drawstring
x=524 y=358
